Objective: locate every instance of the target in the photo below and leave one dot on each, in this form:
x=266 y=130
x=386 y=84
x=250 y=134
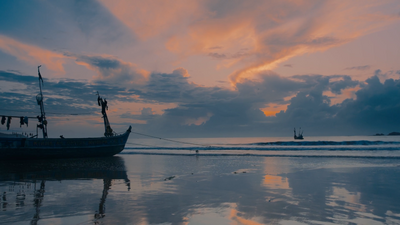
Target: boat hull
x=41 y=148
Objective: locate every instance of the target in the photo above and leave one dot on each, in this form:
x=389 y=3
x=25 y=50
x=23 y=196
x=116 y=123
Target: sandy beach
x=154 y=189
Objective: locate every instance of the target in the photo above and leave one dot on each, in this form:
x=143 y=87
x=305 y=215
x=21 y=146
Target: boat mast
x=107 y=127
x=39 y=99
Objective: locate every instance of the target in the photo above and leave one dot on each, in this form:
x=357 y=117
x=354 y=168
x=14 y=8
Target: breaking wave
x=338 y=149
x=370 y=148
x=366 y=156
x=323 y=143
x=287 y=145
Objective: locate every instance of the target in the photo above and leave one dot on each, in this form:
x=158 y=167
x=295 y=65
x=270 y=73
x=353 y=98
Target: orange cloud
x=348 y=93
x=257 y=35
x=198 y=121
x=33 y=54
x=273 y=109
x=232 y=33
x=150 y=18
x=334 y=24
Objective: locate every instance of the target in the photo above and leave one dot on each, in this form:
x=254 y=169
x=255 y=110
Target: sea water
x=340 y=146
x=318 y=180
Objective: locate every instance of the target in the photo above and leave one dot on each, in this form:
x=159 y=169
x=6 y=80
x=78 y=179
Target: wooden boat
x=298 y=136
x=24 y=147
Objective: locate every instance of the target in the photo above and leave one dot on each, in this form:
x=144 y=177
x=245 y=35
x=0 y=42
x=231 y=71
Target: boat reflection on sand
x=27 y=179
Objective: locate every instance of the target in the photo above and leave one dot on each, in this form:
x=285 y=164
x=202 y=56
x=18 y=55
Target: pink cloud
x=120 y=71
x=150 y=18
x=32 y=54
x=256 y=35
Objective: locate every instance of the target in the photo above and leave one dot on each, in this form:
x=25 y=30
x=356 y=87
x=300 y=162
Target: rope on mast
x=39 y=99
x=107 y=127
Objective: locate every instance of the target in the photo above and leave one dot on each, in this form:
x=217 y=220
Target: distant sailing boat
x=300 y=135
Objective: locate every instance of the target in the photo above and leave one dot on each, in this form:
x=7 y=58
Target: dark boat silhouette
x=25 y=147
x=298 y=136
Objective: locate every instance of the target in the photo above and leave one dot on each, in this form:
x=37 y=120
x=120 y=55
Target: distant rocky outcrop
x=394 y=133
x=378 y=134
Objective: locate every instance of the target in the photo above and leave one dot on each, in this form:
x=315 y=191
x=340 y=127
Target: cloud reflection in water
x=210 y=190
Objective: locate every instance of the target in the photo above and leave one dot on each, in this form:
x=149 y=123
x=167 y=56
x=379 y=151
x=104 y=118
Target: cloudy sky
x=206 y=68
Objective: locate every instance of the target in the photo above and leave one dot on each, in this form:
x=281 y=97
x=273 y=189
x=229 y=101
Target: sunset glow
x=210 y=67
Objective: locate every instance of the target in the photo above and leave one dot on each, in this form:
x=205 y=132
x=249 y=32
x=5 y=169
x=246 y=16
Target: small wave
x=324 y=143
x=259 y=155
x=276 y=148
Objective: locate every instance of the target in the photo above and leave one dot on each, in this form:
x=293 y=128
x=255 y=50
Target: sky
x=206 y=68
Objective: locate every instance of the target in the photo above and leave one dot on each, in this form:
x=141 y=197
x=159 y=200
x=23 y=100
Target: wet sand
x=154 y=189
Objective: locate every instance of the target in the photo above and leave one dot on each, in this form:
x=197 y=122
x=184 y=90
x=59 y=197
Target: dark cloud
x=167 y=88
x=146 y=115
x=310 y=110
x=345 y=82
x=61 y=96
x=111 y=69
x=288 y=65
x=334 y=83
x=270 y=88
x=366 y=67
x=217 y=55
x=14 y=71
x=239 y=54
x=323 y=41
x=217 y=111
x=376 y=108
x=238 y=113
x=100 y=62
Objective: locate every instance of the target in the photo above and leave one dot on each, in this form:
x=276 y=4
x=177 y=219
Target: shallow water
x=198 y=189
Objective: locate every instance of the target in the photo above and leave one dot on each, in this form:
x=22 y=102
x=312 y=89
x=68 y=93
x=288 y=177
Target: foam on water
x=367 y=147
x=323 y=143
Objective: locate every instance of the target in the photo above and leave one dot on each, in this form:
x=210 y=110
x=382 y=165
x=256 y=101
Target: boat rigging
x=103 y=103
x=25 y=147
x=39 y=99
